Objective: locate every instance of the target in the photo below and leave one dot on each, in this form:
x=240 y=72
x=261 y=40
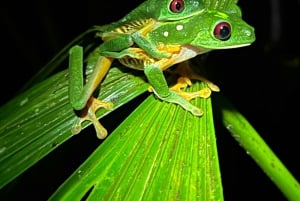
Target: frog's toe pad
x=203 y=93
x=212 y=86
x=197 y=112
x=76 y=128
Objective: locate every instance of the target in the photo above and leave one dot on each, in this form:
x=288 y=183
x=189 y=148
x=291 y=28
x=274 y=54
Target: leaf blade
x=39 y=120
x=152 y=155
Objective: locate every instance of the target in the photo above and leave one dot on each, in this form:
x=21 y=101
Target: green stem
x=255 y=146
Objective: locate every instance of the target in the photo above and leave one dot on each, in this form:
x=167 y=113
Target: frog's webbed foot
x=183 y=82
x=184 y=70
x=88 y=113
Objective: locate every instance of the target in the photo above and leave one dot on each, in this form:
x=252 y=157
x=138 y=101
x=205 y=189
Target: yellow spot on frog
x=166 y=34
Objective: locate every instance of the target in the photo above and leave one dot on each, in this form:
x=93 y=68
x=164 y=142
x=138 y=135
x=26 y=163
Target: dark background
x=262 y=80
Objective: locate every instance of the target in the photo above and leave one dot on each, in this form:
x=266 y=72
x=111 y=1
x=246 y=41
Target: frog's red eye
x=176 y=6
x=222 y=31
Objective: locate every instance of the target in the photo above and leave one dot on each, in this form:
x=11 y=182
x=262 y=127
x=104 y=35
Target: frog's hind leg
x=81 y=93
x=186 y=75
x=184 y=70
x=183 y=82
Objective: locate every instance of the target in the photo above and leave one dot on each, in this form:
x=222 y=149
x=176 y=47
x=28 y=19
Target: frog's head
x=166 y=10
x=177 y=9
x=222 y=29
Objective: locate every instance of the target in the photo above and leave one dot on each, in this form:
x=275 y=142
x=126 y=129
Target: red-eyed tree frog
x=153 y=37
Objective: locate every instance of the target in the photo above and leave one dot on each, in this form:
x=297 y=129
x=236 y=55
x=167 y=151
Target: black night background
x=262 y=81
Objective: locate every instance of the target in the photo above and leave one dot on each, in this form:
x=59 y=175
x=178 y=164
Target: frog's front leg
x=80 y=95
x=160 y=87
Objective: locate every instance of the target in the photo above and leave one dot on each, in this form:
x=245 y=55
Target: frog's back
x=136 y=16
x=159 y=10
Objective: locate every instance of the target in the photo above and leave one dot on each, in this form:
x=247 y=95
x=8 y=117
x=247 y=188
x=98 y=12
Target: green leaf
x=39 y=120
x=160 y=152
x=249 y=139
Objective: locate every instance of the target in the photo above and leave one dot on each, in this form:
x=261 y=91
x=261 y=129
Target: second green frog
x=153 y=37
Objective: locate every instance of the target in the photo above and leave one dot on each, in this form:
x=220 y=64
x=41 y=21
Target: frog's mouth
x=233 y=46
